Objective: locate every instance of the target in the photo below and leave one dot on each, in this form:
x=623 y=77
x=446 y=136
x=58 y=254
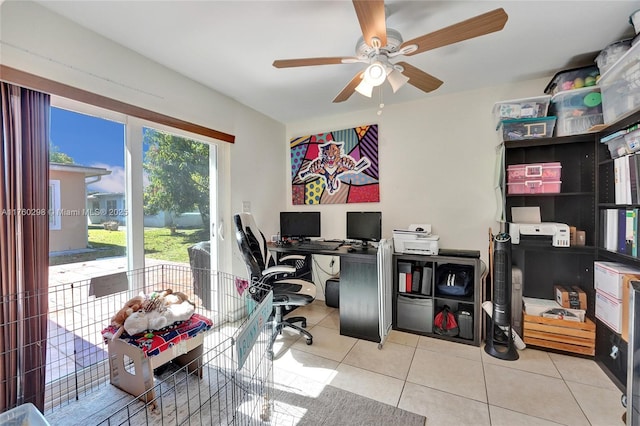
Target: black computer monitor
x=299 y=225
x=364 y=226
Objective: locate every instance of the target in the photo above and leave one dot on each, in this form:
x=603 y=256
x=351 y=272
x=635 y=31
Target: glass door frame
x=219 y=166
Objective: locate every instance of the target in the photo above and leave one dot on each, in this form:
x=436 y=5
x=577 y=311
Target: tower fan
x=499 y=342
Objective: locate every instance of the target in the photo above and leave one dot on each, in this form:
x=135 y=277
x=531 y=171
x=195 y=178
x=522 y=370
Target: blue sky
x=91 y=141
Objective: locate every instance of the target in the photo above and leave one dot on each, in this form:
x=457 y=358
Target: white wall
x=65 y=52
x=437 y=160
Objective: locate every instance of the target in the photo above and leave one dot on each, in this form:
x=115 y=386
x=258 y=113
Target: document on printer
x=415 y=229
x=525 y=214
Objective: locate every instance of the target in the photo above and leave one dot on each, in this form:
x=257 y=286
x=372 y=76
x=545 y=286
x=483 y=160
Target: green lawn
x=159 y=243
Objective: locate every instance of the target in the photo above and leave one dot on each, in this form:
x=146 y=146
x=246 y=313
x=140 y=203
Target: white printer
x=417 y=239
x=526 y=221
x=559 y=232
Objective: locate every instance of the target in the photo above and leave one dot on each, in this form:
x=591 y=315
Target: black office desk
x=359 y=314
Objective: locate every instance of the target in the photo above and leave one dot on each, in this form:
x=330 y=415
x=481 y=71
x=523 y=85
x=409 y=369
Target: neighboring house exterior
x=107 y=207
x=165 y=219
x=110 y=206
x=67 y=204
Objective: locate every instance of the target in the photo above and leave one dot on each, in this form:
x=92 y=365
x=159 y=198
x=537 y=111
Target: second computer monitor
x=364 y=226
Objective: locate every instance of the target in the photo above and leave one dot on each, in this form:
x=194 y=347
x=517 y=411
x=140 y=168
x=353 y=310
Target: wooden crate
x=562 y=335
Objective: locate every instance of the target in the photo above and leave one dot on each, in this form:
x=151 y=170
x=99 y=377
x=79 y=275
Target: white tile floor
x=449 y=383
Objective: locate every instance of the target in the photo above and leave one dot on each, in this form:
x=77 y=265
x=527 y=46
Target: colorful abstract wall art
x=336 y=167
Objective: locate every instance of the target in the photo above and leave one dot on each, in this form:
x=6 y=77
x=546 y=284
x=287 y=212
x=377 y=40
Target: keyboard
x=318 y=245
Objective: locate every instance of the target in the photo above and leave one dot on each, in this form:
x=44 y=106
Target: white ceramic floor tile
x=332 y=320
x=503 y=417
x=450 y=348
x=459 y=376
x=368 y=384
x=581 y=370
x=307 y=365
x=602 y=406
x=313 y=312
x=402 y=338
x=533 y=394
x=392 y=360
x=327 y=343
x=442 y=408
x=531 y=360
x=285 y=340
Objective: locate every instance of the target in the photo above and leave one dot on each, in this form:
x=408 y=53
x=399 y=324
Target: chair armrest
x=278 y=269
x=292 y=257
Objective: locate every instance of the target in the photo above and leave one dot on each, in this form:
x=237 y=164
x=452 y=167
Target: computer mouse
x=351 y=249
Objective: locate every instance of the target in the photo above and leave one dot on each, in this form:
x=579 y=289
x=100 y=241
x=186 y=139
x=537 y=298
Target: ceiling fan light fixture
x=364 y=88
x=397 y=80
x=375 y=74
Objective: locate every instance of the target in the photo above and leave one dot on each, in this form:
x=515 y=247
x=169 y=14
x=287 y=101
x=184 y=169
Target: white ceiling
x=230 y=45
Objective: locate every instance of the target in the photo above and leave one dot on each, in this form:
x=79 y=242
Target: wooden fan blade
x=420 y=79
x=474 y=27
x=349 y=88
x=372 y=20
x=305 y=62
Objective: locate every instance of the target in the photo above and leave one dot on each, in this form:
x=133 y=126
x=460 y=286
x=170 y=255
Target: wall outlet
x=246 y=207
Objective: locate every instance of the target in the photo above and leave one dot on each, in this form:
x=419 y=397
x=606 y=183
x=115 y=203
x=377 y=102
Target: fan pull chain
x=381 y=100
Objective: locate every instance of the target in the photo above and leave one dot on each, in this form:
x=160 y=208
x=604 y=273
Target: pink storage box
x=534 y=178
x=546 y=172
x=534 y=187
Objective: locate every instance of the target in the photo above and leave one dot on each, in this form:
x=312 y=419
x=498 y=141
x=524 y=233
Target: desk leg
x=359 y=314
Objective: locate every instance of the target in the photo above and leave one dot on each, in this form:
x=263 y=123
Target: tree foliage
x=178 y=172
x=55 y=156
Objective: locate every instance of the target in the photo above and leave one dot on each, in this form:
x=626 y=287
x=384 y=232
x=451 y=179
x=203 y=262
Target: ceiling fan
x=379 y=45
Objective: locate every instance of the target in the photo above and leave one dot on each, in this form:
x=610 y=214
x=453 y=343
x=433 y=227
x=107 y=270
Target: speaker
x=332 y=292
x=499 y=342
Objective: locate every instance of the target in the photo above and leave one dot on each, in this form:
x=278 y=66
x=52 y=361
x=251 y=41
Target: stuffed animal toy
x=131 y=306
x=156 y=319
x=152 y=312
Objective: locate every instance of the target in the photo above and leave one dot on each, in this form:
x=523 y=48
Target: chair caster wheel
x=309 y=341
x=303 y=324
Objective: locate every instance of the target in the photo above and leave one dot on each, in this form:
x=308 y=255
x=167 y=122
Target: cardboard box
x=609 y=311
x=626 y=289
x=551 y=309
x=566 y=314
x=570 y=297
x=608 y=277
x=536 y=307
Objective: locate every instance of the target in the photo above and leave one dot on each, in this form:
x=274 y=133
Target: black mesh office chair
x=289 y=291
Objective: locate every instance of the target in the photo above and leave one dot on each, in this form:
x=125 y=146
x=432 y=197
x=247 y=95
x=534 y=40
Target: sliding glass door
x=130 y=189
x=180 y=200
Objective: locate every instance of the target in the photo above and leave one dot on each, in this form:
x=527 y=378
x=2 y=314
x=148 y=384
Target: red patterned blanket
x=154 y=342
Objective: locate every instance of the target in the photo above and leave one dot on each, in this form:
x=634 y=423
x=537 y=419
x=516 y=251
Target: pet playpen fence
x=212 y=388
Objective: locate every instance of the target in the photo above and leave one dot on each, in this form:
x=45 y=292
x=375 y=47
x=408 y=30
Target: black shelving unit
x=425 y=307
x=611 y=349
x=543 y=265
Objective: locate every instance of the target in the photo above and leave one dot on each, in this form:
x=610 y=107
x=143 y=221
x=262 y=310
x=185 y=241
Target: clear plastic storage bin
x=527 y=128
x=620 y=86
x=25 y=414
x=521 y=108
x=577 y=110
x=575 y=78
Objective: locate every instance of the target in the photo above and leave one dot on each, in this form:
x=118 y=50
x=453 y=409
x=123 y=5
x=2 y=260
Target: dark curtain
x=24 y=245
